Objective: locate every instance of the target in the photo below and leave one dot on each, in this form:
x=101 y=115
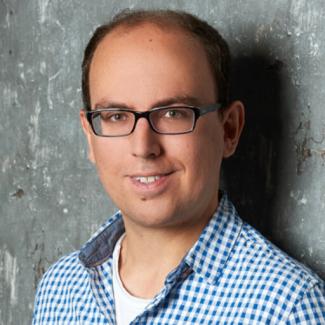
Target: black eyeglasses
x=118 y=122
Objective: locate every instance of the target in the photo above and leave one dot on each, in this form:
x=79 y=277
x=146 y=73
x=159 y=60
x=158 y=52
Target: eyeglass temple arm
x=210 y=108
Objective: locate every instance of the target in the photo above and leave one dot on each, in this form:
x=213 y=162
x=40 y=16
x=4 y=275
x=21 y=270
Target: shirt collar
x=207 y=257
x=101 y=245
x=211 y=252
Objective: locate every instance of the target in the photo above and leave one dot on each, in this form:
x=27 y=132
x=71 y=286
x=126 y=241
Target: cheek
x=202 y=157
x=108 y=156
x=208 y=156
x=109 y=160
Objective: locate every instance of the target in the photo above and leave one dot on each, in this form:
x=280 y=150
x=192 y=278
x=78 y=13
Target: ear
x=88 y=133
x=233 y=122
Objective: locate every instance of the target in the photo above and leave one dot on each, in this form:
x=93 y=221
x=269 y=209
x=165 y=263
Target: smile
x=152 y=184
x=147 y=180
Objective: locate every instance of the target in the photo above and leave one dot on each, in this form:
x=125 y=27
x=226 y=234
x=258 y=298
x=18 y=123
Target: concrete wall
x=50 y=197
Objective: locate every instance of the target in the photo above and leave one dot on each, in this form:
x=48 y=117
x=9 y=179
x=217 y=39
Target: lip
x=151 y=173
x=151 y=189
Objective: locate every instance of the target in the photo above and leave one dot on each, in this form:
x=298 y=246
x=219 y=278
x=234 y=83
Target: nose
x=145 y=143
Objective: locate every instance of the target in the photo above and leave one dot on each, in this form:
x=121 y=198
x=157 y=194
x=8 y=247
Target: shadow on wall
x=251 y=175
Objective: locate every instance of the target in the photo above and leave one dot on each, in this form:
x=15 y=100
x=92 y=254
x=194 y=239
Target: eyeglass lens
x=171 y=120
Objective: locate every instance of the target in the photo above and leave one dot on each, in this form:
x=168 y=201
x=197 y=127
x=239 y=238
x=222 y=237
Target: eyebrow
x=182 y=99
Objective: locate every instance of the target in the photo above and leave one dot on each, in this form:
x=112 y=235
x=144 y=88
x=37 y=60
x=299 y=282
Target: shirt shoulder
x=66 y=294
x=288 y=288
x=61 y=272
x=269 y=258
x=60 y=288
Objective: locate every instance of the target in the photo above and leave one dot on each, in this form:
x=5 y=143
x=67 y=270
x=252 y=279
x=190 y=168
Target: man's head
x=215 y=47
x=159 y=180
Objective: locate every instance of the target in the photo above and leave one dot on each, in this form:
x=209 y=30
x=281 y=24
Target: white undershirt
x=127 y=307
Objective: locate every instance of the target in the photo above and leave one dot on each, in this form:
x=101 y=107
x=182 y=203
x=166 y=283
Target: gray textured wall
x=50 y=197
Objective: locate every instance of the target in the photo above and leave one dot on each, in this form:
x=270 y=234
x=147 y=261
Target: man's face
x=140 y=69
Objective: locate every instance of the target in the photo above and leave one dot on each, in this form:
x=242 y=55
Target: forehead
x=150 y=57
x=148 y=33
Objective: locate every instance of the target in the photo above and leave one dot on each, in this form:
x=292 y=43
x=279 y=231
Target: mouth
x=150 y=182
x=147 y=179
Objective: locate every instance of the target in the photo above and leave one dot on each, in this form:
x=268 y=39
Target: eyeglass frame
x=198 y=112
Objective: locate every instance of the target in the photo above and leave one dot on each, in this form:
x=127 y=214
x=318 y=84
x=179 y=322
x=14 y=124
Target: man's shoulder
x=271 y=265
x=270 y=283
x=63 y=281
x=65 y=265
x=71 y=271
x=63 y=275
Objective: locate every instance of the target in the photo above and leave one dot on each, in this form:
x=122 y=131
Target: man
x=158 y=125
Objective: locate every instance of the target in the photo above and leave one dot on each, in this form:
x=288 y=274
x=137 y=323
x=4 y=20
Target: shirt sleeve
x=311 y=307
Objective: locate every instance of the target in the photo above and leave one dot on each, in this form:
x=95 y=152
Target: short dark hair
x=215 y=46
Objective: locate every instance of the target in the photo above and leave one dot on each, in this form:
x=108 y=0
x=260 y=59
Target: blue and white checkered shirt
x=232 y=275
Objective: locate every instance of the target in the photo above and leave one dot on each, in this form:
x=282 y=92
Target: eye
x=117 y=117
x=176 y=113
x=173 y=113
x=114 y=116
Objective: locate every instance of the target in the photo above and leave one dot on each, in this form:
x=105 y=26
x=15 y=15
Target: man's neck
x=148 y=255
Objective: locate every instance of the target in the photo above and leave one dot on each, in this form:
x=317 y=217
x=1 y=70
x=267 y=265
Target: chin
x=151 y=217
